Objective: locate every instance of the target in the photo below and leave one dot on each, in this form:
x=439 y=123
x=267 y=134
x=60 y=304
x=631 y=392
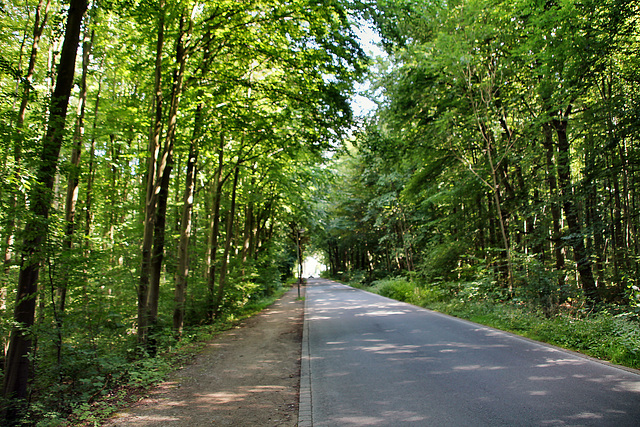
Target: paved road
x=368 y=360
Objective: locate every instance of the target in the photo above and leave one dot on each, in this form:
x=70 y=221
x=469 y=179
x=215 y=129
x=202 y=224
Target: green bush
x=398 y=288
x=441 y=261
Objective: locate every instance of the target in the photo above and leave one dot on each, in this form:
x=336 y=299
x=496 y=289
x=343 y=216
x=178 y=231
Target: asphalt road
x=369 y=360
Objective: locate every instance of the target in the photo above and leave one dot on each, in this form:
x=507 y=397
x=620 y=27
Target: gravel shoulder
x=247 y=376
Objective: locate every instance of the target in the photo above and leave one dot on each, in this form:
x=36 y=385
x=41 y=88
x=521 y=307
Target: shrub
x=398 y=288
x=441 y=261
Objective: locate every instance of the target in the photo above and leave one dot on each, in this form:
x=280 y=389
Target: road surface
x=369 y=360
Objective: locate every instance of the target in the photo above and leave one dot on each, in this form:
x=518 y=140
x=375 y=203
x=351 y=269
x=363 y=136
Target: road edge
x=304 y=404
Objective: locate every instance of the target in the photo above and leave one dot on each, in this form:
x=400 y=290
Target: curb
x=304 y=405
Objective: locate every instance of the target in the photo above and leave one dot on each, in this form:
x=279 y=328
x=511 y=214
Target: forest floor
x=247 y=376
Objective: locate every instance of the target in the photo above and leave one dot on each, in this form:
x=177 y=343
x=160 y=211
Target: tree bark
x=151 y=196
x=214 y=232
x=182 y=272
x=575 y=237
x=15 y=386
x=165 y=168
x=73 y=181
x=88 y=205
x=38 y=27
x=249 y=221
x=495 y=189
x=555 y=206
x=227 y=246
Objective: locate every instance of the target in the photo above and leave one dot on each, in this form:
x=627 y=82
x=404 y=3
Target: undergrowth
x=607 y=335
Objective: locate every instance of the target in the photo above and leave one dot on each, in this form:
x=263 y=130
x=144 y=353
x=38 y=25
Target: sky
x=370 y=42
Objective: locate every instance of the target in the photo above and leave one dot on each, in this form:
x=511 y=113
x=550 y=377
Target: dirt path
x=248 y=376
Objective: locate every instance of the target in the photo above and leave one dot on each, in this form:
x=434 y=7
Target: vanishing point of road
x=372 y=361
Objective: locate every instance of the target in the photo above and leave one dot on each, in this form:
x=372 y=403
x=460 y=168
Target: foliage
x=397 y=288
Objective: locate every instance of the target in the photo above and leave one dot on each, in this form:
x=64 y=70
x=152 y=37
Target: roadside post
x=299 y=233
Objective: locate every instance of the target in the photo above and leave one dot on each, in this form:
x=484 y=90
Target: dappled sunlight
x=456 y=346
x=477 y=368
x=557 y=378
x=338 y=374
x=167 y=407
x=248 y=374
x=586 y=416
x=360 y=420
x=380 y=313
x=148 y=420
x=383 y=419
x=397 y=347
x=549 y=362
x=221 y=398
x=627 y=386
x=389 y=349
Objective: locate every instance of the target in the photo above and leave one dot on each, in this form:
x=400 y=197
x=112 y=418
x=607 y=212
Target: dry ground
x=248 y=376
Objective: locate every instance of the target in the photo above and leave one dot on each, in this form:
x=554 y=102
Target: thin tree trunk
x=182 y=272
x=165 y=168
x=576 y=239
x=214 y=232
x=495 y=189
x=555 y=206
x=248 y=221
x=38 y=27
x=151 y=197
x=88 y=205
x=16 y=378
x=227 y=246
x=73 y=182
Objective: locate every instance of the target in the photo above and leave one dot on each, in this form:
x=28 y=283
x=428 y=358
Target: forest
x=156 y=161
x=503 y=151
x=164 y=162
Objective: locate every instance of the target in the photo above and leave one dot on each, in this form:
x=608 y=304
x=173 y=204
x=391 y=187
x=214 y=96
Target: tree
x=17 y=363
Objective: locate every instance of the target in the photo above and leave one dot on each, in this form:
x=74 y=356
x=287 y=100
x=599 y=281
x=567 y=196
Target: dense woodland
x=156 y=159
x=162 y=161
x=503 y=160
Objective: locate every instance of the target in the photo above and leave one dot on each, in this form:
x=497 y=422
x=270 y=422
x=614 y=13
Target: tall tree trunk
x=151 y=196
x=214 y=231
x=576 y=238
x=249 y=220
x=73 y=181
x=165 y=168
x=227 y=246
x=182 y=272
x=88 y=204
x=555 y=206
x=16 y=378
x=495 y=189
